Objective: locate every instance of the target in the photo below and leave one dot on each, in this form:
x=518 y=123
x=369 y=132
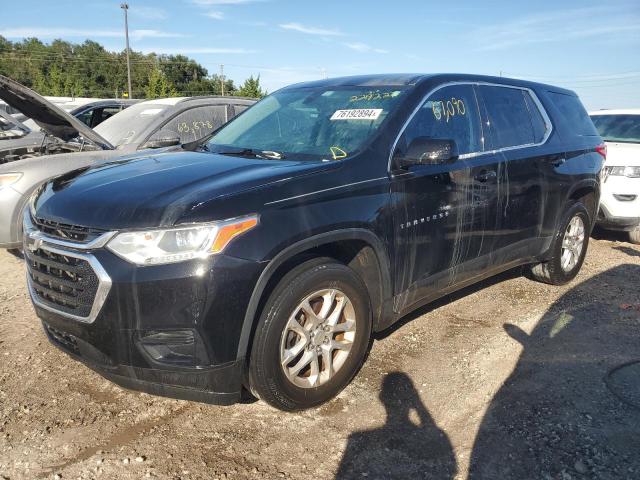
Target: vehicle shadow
x=408 y=445
x=571 y=407
x=452 y=297
x=629 y=251
x=610 y=235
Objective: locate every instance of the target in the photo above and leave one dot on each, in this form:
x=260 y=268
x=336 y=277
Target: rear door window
x=510 y=123
x=450 y=113
x=196 y=123
x=573 y=113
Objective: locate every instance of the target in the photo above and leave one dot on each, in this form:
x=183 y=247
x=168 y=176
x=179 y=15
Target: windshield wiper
x=250 y=152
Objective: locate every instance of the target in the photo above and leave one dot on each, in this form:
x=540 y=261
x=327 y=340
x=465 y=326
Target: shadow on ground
x=409 y=445
x=570 y=407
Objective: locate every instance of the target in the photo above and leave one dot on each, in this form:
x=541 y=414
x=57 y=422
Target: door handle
x=556 y=160
x=485 y=175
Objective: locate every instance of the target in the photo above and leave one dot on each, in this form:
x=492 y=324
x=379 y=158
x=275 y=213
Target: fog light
x=174 y=347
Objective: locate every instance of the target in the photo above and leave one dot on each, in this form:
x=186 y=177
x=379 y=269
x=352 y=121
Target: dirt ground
x=507 y=379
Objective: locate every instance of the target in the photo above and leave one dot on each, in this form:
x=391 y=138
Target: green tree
x=63 y=68
x=159 y=86
x=251 y=88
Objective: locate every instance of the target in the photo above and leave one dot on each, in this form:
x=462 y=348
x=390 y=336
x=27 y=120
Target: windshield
x=123 y=127
x=618 y=128
x=310 y=123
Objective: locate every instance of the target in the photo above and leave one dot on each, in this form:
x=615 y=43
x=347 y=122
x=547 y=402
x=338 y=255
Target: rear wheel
x=312 y=337
x=568 y=248
x=634 y=235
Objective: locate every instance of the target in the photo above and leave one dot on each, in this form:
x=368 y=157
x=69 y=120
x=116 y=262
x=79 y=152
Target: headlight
x=155 y=247
x=631 y=172
x=7 y=179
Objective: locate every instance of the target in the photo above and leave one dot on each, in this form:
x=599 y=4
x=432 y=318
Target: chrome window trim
x=534 y=97
x=35 y=237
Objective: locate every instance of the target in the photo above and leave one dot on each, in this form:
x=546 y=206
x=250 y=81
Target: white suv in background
x=620 y=196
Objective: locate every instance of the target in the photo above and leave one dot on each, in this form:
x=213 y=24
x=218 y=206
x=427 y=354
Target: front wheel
x=634 y=235
x=568 y=248
x=312 y=336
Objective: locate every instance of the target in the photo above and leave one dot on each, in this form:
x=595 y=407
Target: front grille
x=62 y=282
x=66 y=231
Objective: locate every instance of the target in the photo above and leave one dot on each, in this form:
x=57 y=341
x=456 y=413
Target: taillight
x=602 y=150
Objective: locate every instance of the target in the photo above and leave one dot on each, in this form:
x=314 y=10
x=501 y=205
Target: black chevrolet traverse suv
x=263 y=259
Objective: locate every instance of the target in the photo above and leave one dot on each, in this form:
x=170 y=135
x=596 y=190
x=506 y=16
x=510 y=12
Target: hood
x=51 y=119
x=157 y=190
x=621 y=154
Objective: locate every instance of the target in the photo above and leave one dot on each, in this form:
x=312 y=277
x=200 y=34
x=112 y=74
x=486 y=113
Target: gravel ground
x=507 y=379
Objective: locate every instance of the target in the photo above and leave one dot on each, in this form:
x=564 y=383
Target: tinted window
x=573 y=113
x=85 y=117
x=196 y=123
x=106 y=112
x=618 y=128
x=508 y=116
x=450 y=113
x=537 y=121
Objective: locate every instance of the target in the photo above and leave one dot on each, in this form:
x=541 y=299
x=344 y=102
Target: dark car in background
x=265 y=259
x=147 y=125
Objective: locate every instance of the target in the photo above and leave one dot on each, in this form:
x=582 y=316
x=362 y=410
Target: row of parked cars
x=183 y=257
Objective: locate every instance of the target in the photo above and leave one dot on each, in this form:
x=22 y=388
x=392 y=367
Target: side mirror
x=161 y=139
x=428 y=151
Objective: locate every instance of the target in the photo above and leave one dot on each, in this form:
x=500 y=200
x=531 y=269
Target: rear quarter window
x=573 y=114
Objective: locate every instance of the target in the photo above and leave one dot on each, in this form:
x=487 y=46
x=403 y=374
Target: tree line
x=89 y=70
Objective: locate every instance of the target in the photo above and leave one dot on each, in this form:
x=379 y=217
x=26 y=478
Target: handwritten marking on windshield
x=374 y=95
x=338 y=153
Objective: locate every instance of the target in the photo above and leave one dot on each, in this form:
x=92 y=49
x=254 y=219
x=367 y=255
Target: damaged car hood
x=49 y=117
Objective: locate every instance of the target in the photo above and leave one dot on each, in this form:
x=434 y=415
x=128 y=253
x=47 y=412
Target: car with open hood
x=71 y=145
x=264 y=260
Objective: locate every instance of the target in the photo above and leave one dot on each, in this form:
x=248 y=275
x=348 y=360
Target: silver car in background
x=152 y=124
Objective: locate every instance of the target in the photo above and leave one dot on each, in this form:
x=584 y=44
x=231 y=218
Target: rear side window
x=574 y=115
x=196 y=123
x=618 y=128
x=510 y=121
x=450 y=113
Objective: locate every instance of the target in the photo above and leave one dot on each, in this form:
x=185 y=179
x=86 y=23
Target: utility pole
x=125 y=7
x=222 y=79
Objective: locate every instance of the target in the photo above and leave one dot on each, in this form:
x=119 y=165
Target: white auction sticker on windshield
x=357 y=114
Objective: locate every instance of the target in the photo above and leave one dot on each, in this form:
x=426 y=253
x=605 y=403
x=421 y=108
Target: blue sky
x=592 y=47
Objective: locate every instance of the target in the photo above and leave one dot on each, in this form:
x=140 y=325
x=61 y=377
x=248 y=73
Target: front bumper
x=620 y=203
x=202 y=301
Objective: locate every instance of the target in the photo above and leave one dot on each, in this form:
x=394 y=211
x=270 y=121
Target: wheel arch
x=369 y=261
x=587 y=191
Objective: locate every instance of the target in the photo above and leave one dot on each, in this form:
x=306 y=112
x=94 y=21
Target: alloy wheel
x=317 y=338
x=572 y=244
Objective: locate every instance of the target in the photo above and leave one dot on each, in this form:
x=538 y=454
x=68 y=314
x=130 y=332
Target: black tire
x=634 y=236
x=551 y=271
x=267 y=379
